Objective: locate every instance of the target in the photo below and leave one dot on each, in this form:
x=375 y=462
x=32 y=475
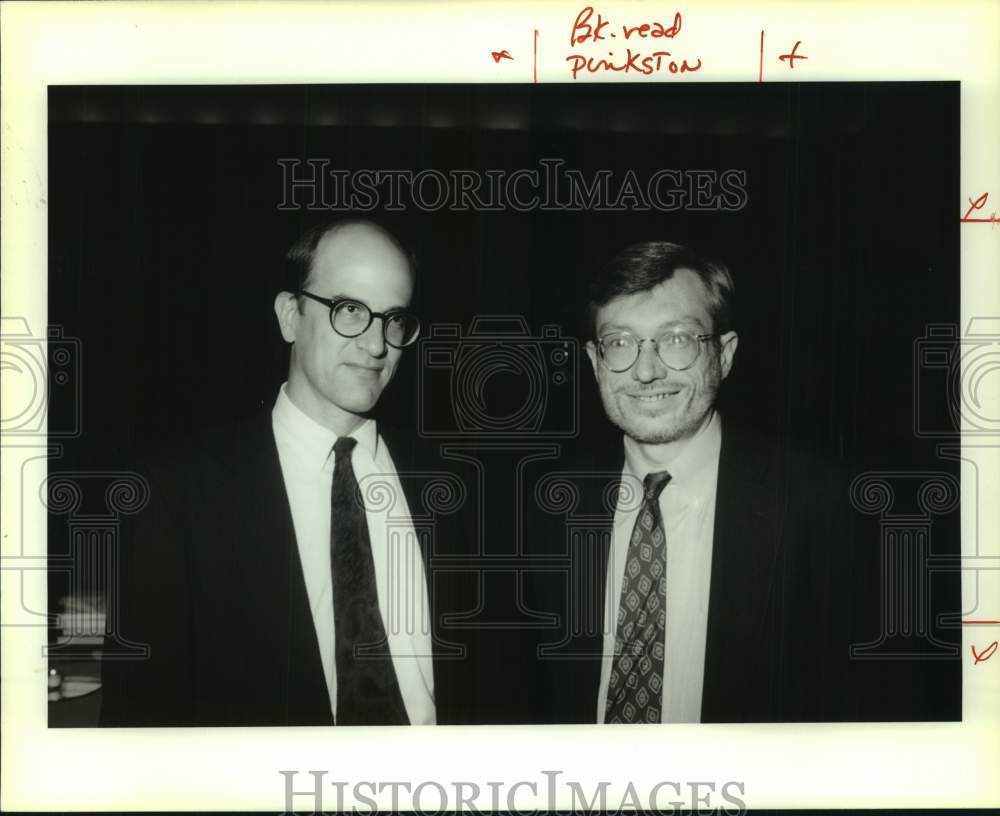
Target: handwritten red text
x=591 y=26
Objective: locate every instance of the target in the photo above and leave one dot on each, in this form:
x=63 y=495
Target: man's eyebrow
x=683 y=322
x=343 y=296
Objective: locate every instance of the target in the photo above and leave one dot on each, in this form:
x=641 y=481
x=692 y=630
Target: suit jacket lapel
x=741 y=641
x=273 y=571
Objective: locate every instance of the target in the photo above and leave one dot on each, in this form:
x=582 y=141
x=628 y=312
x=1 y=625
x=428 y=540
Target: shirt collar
x=693 y=466
x=312 y=440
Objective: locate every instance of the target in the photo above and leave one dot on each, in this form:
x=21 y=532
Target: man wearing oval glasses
x=278 y=577
x=708 y=588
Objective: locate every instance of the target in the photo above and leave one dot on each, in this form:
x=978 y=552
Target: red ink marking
x=760 y=69
x=591 y=26
x=978 y=204
x=653 y=29
x=499 y=55
x=983 y=622
x=587 y=31
x=634 y=62
x=792 y=56
x=986 y=654
x=536 y=57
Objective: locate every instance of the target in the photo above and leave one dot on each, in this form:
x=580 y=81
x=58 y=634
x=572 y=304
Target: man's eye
x=679 y=339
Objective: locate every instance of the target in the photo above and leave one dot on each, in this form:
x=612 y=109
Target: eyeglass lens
x=678 y=350
x=351 y=319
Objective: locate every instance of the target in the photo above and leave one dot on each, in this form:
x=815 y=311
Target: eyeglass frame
x=701 y=338
x=334 y=302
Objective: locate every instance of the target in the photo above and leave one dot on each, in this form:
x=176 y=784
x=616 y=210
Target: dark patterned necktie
x=635 y=686
x=367 y=689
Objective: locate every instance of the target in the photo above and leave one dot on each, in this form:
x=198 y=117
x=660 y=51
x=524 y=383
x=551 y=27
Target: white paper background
x=870 y=765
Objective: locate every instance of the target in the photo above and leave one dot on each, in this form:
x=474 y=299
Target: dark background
x=166 y=247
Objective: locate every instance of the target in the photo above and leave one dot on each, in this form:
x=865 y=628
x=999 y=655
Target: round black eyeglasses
x=351 y=318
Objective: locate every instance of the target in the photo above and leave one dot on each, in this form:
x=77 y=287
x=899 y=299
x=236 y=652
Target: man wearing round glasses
x=706 y=588
x=277 y=575
x=346 y=315
x=662 y=350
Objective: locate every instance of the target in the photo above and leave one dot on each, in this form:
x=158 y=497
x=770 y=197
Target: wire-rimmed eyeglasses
x=351 y=318
x=678 y=349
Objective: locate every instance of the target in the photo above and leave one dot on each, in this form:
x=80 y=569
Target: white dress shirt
x=687 y=506
x=305 y=450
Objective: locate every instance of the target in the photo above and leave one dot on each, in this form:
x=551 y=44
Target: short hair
x=639 y=267
x=301 y=255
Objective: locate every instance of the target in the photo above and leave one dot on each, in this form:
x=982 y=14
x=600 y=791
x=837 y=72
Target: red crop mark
x=978 y=204
x=793 y=55
x=986 y=654
x=760 y=68
x=536 y=57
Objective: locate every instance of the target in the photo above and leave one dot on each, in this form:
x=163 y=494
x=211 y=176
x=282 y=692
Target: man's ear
x=286 y=309
x=728 y=343
x=592 y=354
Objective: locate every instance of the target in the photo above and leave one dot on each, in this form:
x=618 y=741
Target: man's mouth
x=654 y=396
x=365 y=369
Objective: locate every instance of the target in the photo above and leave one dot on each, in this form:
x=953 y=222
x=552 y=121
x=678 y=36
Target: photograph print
x=504 y=404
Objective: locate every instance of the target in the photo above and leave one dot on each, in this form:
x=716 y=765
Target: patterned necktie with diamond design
x=635 y=686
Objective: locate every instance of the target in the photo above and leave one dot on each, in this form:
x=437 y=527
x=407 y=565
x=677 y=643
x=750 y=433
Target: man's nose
x=648 y=366
x=372 y=339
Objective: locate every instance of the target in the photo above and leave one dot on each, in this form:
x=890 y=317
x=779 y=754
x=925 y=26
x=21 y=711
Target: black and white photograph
x=611 y=401
x=498 y=408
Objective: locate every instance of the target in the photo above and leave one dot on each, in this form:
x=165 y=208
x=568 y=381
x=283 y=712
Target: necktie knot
x=654 y=483
x=343 y=446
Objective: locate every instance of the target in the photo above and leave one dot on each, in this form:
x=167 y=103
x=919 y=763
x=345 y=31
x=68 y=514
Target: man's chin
x=659 y=436
x=359 y=401
x=651 y=430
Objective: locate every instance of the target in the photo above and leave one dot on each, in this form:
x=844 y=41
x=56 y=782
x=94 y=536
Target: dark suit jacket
x=778 y=636
x=211 y=580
